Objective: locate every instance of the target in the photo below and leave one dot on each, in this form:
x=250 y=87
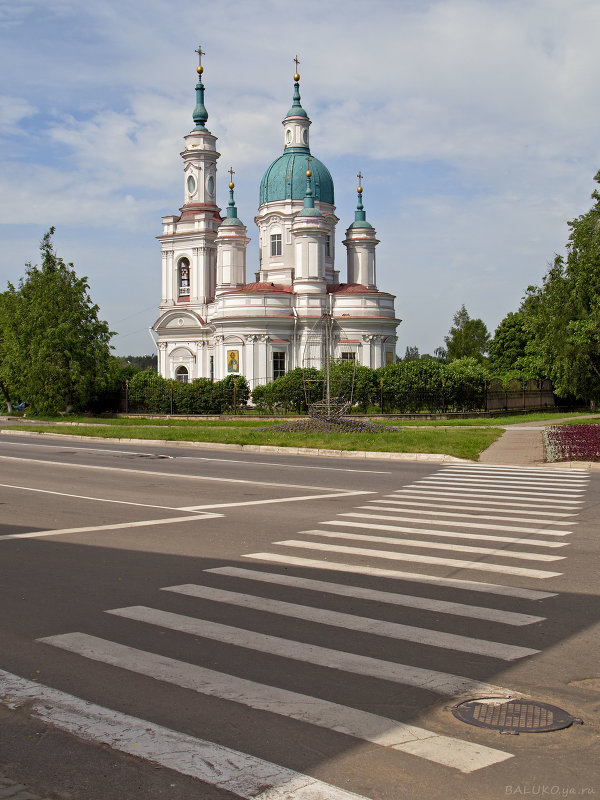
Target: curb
x=438 y=458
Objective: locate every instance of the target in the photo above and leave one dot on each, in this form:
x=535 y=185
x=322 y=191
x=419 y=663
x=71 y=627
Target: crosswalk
x=340 y=578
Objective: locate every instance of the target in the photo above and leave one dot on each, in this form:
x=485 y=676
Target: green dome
x=285 y=179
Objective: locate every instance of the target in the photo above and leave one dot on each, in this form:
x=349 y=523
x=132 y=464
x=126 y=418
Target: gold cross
x=296 y=62
x=360 y=177
x=231 y=172
x=201 y=53
x=308 y=160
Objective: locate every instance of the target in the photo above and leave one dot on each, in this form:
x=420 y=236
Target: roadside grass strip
x=382 y=731
x=243 y=775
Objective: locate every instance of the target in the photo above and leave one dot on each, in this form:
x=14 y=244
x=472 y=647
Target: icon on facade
x=233 y=361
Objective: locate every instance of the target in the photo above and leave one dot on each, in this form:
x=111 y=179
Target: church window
x=181 y=374
x=327 y=247
x=276 y=244
x=348 y=356
x=183 y=277
x=278 y=364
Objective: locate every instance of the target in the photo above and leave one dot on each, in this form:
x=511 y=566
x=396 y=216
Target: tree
x=509 y=343
x=468 y=338
x=563 y=315
x=411 y=354
x=55 y=349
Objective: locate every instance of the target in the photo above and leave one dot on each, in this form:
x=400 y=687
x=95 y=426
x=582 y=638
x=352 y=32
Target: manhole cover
x=512 y=716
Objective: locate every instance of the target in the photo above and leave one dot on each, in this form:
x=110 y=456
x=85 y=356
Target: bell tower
x=189 y=251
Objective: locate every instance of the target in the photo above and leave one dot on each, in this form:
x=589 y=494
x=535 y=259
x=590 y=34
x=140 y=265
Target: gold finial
x=231 y=172
x=296 y=75
x=308 y=172
x=200 y=51
x=360 y=177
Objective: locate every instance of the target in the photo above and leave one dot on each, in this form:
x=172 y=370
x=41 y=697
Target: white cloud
x=478 y=120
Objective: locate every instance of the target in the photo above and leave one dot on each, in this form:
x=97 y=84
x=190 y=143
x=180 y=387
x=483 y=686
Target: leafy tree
x=55 y=348
x=468 y=338
x=563 y=315
x=509 y=343
x=411 y=354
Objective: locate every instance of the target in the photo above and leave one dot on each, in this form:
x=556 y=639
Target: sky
x=475 y=124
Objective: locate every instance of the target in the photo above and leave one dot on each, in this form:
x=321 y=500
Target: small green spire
x=309 y=209
x=232 y=217
x=200 y=114
x=360 y=217
x=296 y=110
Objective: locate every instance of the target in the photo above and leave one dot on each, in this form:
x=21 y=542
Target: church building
x=212 y=323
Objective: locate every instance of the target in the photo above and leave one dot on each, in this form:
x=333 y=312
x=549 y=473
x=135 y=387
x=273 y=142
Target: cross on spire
x=296 y=61
x=201 y=53
x=308 y=160
x=231 y=172
x=360 y=177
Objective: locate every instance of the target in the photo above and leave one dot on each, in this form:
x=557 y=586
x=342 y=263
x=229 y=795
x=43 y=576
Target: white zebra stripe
x=243 y=775
x=400 y=517
x=358 y=592
x=459 y=548
x=389 y=555
x=442 y=683
x=391 y=630
x=385 y=732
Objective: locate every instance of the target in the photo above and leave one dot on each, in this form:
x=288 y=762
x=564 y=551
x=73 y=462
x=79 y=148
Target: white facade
x=212 y=323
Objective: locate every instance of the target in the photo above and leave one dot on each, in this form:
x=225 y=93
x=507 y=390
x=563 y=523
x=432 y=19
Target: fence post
x=127 y=397
x=171 y=394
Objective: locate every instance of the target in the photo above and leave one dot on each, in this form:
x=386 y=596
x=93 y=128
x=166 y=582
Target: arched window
x=183 y=277
x=181 y=374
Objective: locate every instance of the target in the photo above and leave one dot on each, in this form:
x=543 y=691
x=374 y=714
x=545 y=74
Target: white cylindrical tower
x=231 y=249
x=360 y=243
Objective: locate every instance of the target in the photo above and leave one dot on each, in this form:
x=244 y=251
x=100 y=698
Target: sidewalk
x=522 y=445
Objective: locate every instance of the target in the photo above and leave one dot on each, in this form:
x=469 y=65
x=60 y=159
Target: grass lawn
x=460 y=441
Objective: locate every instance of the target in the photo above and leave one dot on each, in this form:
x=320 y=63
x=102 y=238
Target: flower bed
x=312 y=425
x=572 y=443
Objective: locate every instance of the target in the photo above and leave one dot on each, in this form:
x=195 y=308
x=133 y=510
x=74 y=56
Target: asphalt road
x=209 y=624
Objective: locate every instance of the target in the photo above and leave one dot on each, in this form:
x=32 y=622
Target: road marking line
x=116 y=527
x=415 y=577
x=249 y=462
x=526 y=471
x=391 y=630
x=509 y=486
x=526 y=480
x=245 y=776
x=506 y=468
x=421 y=559
x=532 y=501
x=459 y=548
x=85 y=497
x=439 y=682
x=399 y=517
x=452 y=501
x=172 y=475
x=385 y=732
x=345 y=590
x=426 y=508
x=274 y=500
x=503 y=493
